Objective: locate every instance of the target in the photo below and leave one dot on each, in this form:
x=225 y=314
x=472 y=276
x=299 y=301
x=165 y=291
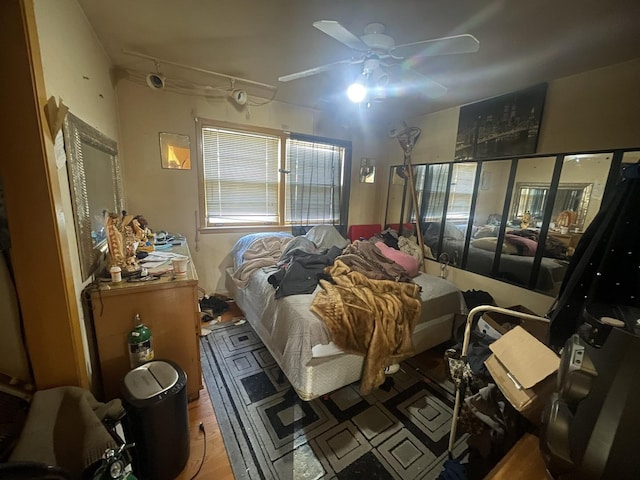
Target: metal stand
x=407 y=139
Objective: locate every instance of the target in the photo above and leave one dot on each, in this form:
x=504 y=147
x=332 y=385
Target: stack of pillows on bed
x=523 y=242
x=399 y=249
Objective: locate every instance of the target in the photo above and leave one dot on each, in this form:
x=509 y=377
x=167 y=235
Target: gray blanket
x=64 y=428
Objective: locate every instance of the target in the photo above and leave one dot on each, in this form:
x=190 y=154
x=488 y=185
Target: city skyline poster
x=501 y=126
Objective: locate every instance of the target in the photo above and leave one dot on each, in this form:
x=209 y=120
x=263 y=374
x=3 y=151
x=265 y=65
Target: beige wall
x=595 y=110
x=77 y=71
x=169 y=198
x=76 y=67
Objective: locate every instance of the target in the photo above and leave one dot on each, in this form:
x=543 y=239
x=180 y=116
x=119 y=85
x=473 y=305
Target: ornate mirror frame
x=92 y=161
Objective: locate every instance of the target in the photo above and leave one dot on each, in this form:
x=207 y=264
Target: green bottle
x=139 y=341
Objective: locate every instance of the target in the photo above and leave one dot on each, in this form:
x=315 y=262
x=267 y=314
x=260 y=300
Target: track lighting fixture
x=155 y=81
x=239 y=96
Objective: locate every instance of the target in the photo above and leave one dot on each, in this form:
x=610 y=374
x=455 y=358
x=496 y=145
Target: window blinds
x=240 y=176
x=461 y=191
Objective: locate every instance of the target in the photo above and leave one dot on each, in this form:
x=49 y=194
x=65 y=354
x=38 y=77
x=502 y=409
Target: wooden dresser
x=168 y=306
x=568 y=239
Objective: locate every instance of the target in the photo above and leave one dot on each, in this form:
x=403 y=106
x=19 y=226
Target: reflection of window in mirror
x=175 y=151
x=460 y=194
x=435 y=190
x=532 y=183
x=569 y=210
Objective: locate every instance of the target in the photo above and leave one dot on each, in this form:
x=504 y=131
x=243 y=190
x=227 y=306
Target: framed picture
x=500 y=126
x=175 y=151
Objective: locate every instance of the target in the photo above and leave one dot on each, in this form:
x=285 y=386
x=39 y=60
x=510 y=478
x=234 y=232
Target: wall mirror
x=518 y=220
x=95 y=182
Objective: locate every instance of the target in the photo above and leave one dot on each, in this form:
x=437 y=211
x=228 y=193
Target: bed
x=300 y=342
x=516 y=259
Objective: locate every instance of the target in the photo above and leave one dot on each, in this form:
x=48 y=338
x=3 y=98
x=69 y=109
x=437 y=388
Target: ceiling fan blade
x=438 y=46
x=341 y=34
x=432 y=89
x=414 y=81
x=313 y=71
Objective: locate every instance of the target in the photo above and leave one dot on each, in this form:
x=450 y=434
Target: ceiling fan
x=378 y=54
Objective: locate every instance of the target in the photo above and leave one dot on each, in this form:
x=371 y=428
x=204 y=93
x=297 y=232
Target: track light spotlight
x=155 y=81
x=239 y=96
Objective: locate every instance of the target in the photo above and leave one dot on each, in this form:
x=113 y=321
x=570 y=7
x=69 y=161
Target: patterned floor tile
x=399 y=433
x=407 y=455
x=300 y=464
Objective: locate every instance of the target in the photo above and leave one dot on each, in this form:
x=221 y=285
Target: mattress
x=301 y=345
x=515 y=269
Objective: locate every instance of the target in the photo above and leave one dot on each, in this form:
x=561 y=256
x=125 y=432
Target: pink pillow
x=526 y=247
x=405 y=260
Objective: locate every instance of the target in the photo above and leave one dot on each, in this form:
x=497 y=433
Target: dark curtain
x=605 y=268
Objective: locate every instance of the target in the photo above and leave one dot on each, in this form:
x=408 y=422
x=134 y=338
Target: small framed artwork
x=175 y=150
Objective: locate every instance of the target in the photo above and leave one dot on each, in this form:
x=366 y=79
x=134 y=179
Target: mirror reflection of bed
x=472 y=210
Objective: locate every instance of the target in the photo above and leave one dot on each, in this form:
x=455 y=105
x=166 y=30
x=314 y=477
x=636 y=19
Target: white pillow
x=326 y=236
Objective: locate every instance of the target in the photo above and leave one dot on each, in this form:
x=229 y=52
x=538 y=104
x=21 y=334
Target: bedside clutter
x=525 y=371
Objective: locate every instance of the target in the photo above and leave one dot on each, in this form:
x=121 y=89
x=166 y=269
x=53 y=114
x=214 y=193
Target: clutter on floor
x=217 y=308
x=496 y=353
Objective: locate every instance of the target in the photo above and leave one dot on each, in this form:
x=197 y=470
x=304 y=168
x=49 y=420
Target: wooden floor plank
x=216 y=462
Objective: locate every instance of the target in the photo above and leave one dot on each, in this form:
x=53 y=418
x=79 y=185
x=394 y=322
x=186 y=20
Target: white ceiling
x=522 y=43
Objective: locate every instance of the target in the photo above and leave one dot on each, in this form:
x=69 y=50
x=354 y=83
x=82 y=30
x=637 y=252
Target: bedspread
x=264 y=252
x=374 y=318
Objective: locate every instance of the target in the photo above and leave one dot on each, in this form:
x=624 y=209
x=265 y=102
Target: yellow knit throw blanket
x=374 y=318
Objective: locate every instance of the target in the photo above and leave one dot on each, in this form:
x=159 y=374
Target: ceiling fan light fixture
x=356 y=92
x=380 y=78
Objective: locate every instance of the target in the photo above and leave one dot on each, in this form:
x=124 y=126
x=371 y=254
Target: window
x=272 y=178
x=461 y=192
x=436 y=188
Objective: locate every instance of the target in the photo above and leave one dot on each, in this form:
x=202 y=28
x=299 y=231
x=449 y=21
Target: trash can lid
x=150 y=379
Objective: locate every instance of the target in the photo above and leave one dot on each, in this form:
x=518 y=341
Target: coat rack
x=407 y=139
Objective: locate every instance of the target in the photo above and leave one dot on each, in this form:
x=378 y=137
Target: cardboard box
x=525 y=371
x=502 y=323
